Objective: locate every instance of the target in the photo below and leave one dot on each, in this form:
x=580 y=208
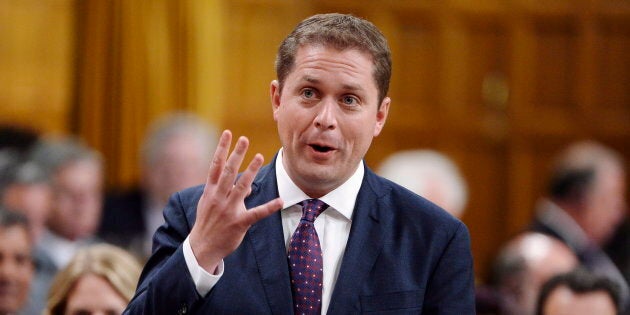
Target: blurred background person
x=24 y=188
x=16 y=265
x=429 y=174
x=100 y=279
x=579 y=293
x=585 y=204
x=76 y=178
x=618 y=248
x=20 y=139
x=523 y=265
x=175 y=155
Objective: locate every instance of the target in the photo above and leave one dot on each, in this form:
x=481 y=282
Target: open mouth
x=321 y=148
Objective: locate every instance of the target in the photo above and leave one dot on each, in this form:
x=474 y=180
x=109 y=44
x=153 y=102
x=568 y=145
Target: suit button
x=182 y=310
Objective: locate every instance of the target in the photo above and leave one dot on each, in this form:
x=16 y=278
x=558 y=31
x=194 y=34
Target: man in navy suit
x=224 y=247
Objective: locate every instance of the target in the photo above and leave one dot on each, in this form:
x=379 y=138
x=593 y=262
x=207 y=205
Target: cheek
x=290 y=124
x=26 y=275
x=363 y=131
x=64 y=203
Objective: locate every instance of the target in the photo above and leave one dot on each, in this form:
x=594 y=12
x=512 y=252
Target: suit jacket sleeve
x=451 y=288
x=166 y=286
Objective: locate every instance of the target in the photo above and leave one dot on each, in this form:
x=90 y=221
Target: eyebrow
x=348 y=87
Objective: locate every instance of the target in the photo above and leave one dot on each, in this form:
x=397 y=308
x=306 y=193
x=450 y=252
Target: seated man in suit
x=76 y=173
x=174 y=155
x=25 y=188
x=585 y=204
x=361 y=242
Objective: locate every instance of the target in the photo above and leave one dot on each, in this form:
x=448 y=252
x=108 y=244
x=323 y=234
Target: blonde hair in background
x=113 y=264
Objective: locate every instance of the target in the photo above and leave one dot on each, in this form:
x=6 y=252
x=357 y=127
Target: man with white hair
x=429 y=174
x=523 y=265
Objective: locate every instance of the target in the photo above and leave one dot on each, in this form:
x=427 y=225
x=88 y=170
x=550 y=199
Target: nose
x=325 y=117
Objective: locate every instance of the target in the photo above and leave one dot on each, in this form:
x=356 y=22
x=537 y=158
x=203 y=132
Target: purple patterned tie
x=306 y=261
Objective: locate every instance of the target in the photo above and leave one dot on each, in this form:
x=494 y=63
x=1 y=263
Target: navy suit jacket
x=404 y=255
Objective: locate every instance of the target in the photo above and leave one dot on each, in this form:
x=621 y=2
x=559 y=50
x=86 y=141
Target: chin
x=322 y=180
x=313 y=177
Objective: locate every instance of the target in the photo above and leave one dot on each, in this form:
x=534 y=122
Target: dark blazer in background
x=122 y=220
x=404 y=256
x=618 y=248
x=591 y=256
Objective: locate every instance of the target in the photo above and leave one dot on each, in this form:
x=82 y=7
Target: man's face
x=33 y=200
x=563 y=301
x=557 y=259
x=605 y=204
x=77 y=199
x=327 y=115
x=182 y=163
x=16 y=268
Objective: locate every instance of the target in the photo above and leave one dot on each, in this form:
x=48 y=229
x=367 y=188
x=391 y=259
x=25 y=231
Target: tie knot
x=311 y=208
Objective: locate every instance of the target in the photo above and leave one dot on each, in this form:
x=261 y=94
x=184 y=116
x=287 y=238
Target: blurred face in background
x=32 y=200
x=558 y=259
x=77 y=199
x=181 y=163
x=93 y=295
x=542 y=257
x=563 y=301
x=605 y=204
x=16 y=268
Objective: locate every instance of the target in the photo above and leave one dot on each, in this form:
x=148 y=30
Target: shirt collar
x=342 y=198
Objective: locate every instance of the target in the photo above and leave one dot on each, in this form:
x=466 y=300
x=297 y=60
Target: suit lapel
x=364 y=245
x=267 y=240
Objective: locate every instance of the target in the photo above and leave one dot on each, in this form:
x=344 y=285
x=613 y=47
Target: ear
x=274 y=90
x=381 y=116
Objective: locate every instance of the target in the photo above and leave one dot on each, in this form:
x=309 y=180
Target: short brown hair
x=341 y=31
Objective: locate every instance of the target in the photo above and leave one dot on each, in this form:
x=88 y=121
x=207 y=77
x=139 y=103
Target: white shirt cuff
x=204 y=281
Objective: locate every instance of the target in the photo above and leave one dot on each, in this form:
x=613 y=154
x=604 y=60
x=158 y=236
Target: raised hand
x=222 y=219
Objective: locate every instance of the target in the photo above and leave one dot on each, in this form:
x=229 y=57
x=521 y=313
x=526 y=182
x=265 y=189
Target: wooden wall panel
x=479 y=130
x=487 y=90
x=553 y=99
x=611 y=100
x=36 y=63
x=484 y=165
x=416 y=67
x=135 y=64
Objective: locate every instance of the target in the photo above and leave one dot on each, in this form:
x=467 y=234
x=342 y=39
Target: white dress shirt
x=332 y=226
x=59 y=249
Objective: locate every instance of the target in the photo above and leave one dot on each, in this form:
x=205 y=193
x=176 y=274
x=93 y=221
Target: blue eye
x=308 y=93
x=349 y=100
